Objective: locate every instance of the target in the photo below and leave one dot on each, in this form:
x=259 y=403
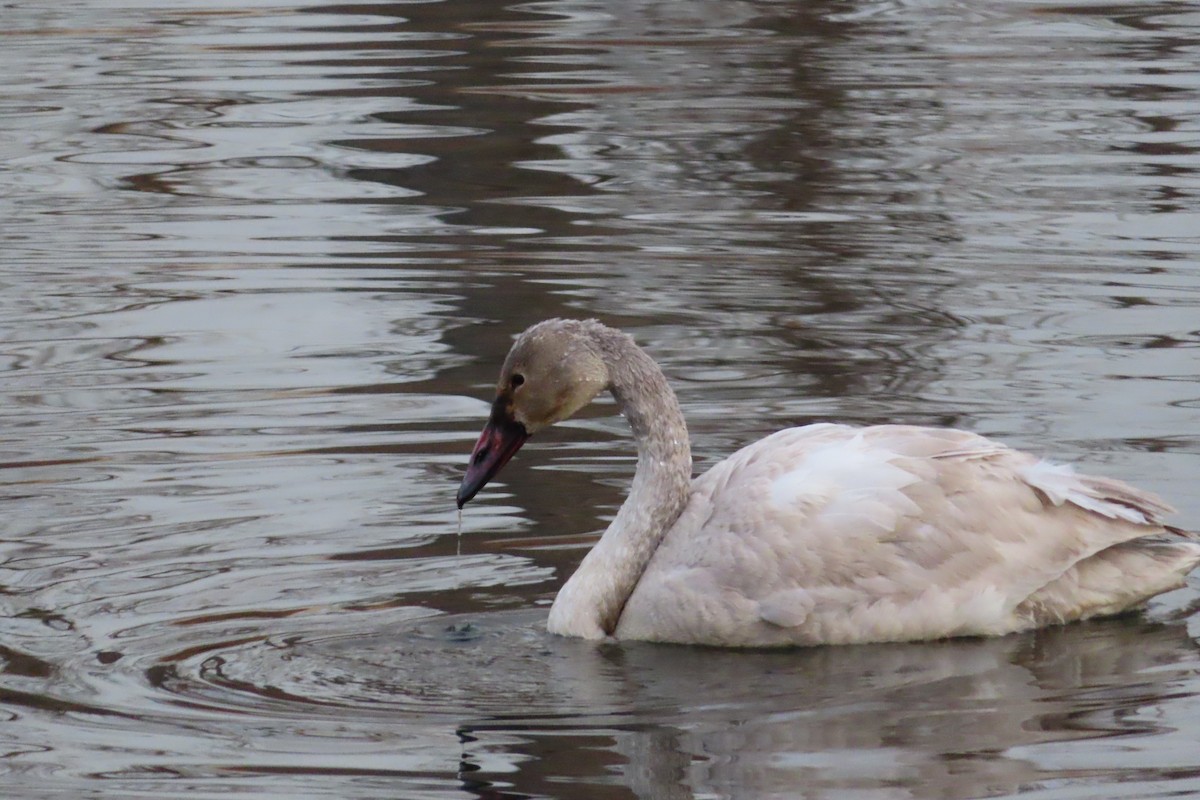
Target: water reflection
x=260 y=266
x=955 y=719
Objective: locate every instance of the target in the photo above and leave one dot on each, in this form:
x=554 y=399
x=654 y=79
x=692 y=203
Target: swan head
x=554 y=369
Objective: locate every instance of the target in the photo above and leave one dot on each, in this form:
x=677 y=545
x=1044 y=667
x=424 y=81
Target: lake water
x=260 y=265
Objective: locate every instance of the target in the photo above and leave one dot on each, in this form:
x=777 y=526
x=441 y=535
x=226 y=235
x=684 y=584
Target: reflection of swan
x=951 y=719
x=826 y=533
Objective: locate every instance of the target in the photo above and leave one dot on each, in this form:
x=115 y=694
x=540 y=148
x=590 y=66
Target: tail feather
x=1116 y=579
x=1191 y=536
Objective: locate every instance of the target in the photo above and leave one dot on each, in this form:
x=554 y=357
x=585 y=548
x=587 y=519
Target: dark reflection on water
x=939 y=720
x=260 y=265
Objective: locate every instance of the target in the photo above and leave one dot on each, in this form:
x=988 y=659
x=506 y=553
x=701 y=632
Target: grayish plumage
x=825 y=534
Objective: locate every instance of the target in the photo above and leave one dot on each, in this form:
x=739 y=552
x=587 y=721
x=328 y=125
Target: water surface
x=260 y=265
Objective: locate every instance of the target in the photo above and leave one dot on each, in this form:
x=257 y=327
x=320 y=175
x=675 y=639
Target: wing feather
x=830 y=533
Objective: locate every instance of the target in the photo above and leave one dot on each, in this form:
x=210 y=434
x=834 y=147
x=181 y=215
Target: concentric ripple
x=261 y=260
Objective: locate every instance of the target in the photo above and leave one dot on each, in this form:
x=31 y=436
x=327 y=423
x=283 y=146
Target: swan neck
x=590 y=603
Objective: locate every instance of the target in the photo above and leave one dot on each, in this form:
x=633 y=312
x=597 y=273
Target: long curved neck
x=590 y=603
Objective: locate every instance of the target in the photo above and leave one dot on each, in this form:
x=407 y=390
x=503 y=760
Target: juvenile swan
x=824 y=534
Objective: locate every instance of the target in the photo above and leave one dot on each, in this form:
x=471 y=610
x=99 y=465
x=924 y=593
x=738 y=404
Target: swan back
x=833 y=534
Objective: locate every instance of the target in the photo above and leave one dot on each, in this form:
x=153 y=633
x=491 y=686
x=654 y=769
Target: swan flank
x=824 y=534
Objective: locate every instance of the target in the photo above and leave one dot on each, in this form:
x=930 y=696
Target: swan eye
x=516 y=380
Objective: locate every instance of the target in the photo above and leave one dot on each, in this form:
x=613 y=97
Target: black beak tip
x=497 y=443
x=467 y=490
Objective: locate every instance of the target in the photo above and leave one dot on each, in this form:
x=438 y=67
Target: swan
x=826 y=533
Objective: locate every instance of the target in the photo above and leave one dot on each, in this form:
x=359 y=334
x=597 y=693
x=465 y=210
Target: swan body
x=825 y=534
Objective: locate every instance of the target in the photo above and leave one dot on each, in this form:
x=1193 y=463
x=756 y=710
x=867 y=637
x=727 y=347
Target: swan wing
x=832 y=534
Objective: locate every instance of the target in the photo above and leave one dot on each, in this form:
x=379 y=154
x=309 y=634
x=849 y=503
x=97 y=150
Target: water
x=260 y=265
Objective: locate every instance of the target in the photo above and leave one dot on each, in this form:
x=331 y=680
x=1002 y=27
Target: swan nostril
x=481 y=454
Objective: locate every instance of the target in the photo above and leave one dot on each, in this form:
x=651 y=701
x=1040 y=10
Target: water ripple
x=261 y=263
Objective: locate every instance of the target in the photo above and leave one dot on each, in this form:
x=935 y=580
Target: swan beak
x=501 y=438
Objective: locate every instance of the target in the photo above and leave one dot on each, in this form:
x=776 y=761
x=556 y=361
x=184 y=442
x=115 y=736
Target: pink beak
x=502 y=437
